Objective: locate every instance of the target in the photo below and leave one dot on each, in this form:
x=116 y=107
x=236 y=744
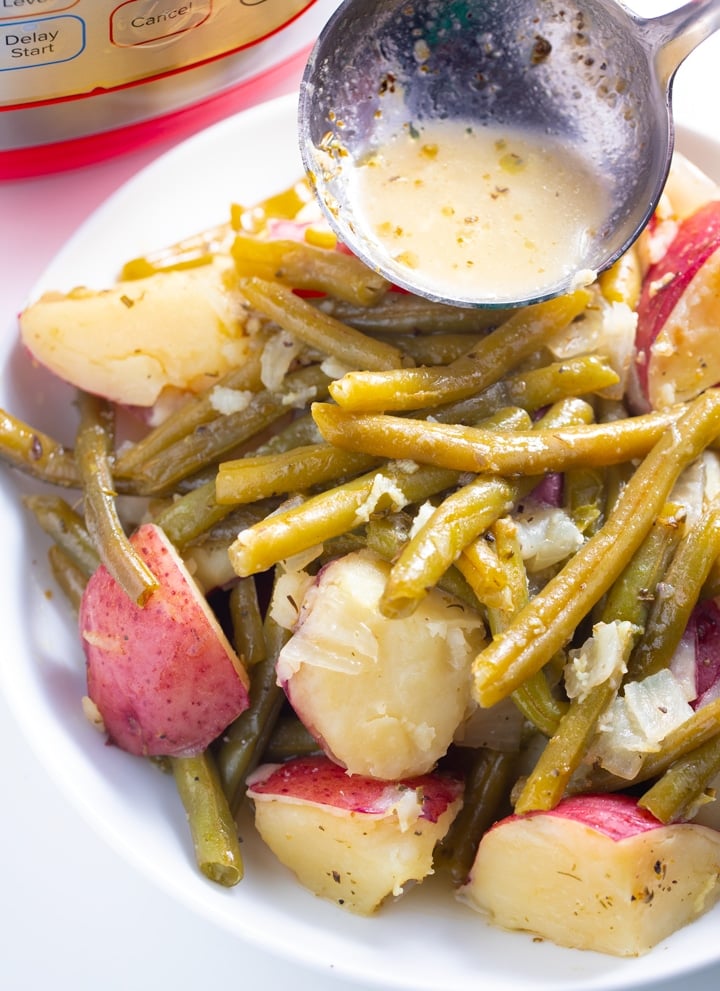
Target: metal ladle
x=591 y=73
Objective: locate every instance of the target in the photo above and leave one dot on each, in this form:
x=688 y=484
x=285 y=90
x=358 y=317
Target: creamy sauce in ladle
x=489 y=211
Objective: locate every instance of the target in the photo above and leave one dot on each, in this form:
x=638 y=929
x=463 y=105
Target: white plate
x=425 y=941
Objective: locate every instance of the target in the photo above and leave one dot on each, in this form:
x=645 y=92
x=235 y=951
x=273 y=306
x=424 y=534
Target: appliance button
x=10 y=9
x=43 y=41
x=144 y=22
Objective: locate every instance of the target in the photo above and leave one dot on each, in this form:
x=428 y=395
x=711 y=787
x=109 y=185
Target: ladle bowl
x=591 y=73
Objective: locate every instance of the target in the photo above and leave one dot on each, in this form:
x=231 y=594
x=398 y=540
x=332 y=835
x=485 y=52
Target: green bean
x=35 y=453
x=622 y=282
x=387 y=535
x=676 y=596
x=93 y=447
x=224 y=531
x=190 y=252
x=487 y=782
x=679 y=791
x=584 y=498
x=698 y=729
x=212 y=827
x=458 y=520
x=550 y=618
x=247 y=623
x=69 y=578
x=533 y=698
x=402 y=313
x=503 y=349
x=432 y=349
x=289 y=738
x=242 y=744
x=191 y=515
x=333 y=512
x=67 y=529
x=251 y=478
x=193 y=414
x=299 y=432
x=630 y=597
x=216 y=438
x=314 y=327
x=300 y=265
x=461 y=448
x=628 y=601
x=464 y=514
x=532 y=389
x=482 y=569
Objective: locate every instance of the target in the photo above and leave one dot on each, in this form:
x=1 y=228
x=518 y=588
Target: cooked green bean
x=677 y=793
x=432 y=349
x=533 y=698
x=487 y=784
x=301 y=468
x=334 y=512
x=309 y=324
x=584 y=498
x=622 y=282
x=69 y=578
x=677 y=595
x=300 y=265
x=193 y=414
x=533 y=389
x=404 y=313
x=551 y=617
x=460 y=517
x=480 y=566
x=299 y=432
x=289 y=738
x=212 y=826
x=454 y=446
x=700 y=728
x=192 y=514
x=35 y=453
x=67 y=529
x=93 y=452
x=503 y=349
x=247 y=623
x=465 y=514
x=243 y=742
x=628 y=601
x=212 y=440
x=199 y=249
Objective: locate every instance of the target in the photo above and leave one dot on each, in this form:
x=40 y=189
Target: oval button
x=143 y=22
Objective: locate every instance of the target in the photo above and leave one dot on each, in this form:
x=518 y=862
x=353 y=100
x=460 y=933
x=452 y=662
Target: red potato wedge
x=384 y=697
x=678 y=315
x=351 y=839
x=163 y=677
x=179 y=330
x=595 y=873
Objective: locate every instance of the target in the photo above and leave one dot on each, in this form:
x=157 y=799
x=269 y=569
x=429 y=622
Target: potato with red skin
x=383 y=697
x=163 y=676
x=352 y=839
x=595 y=873
x=678 y=314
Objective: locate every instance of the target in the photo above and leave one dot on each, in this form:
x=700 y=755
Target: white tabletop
x=75 y=915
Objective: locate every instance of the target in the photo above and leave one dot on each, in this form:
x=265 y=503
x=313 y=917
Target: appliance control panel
x=62 y=49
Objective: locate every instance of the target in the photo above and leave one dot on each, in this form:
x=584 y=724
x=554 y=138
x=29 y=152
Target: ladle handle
x=674 y=35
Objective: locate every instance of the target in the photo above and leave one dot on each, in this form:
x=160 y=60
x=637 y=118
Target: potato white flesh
x=163 y=676
x=353 y=840
x=180 y=328
x=678 y=314
x=596 y=873
x=384 y=697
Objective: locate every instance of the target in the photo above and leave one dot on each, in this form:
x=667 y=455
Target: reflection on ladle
x=493 y=153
